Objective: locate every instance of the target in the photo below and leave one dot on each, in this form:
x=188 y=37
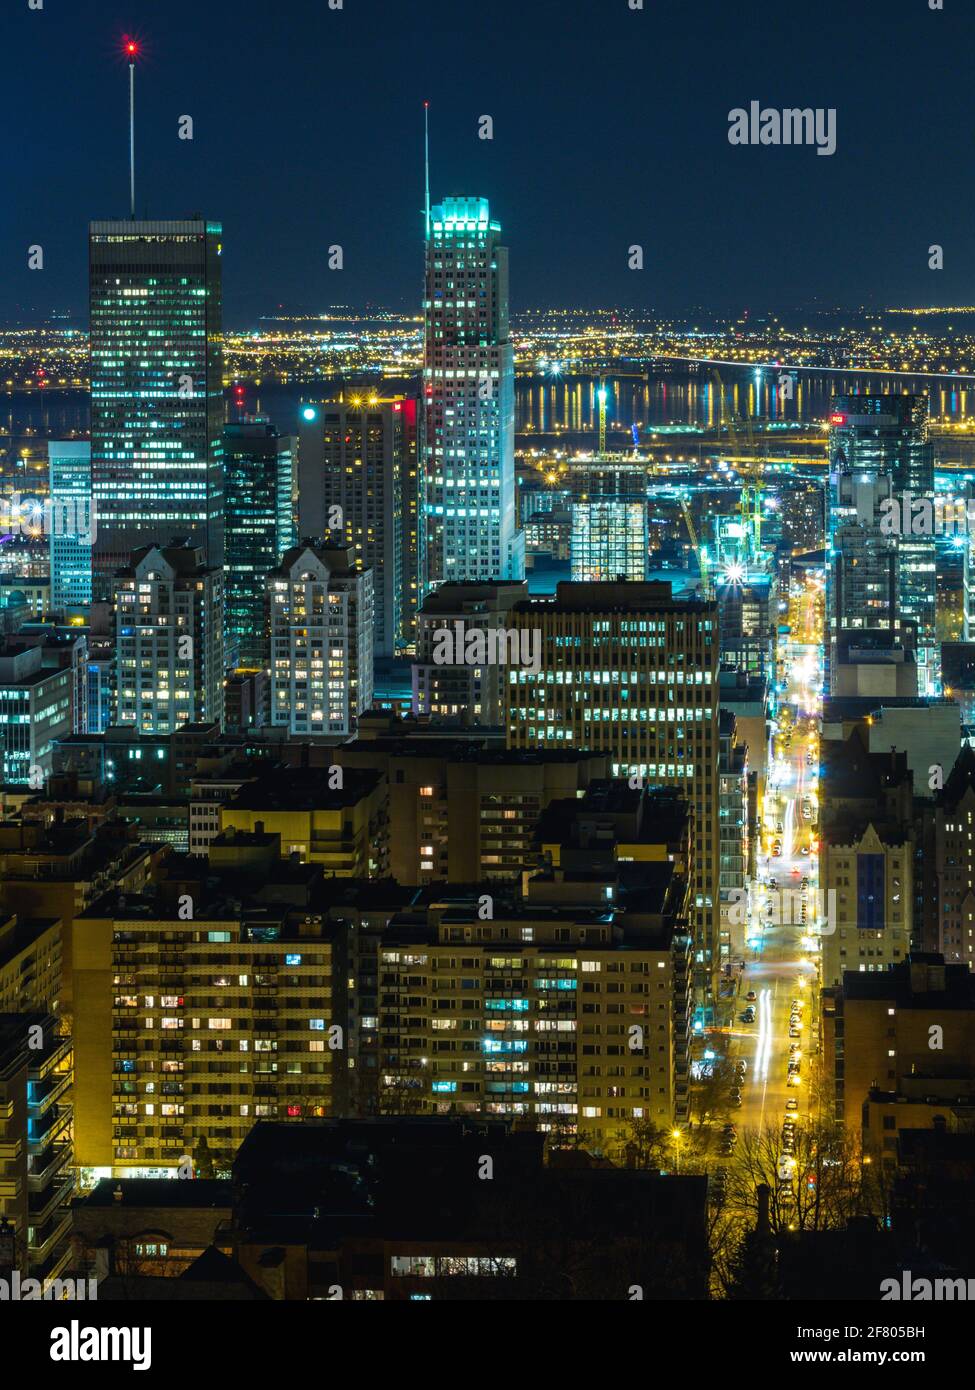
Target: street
x=781 y=969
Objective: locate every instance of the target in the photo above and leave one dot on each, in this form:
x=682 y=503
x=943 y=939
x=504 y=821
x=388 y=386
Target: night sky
x=610 y=128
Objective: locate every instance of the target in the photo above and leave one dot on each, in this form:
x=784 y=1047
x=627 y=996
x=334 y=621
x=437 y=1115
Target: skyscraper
x=357 y=487
x=468 y=382
x=873 y=439
x=259 y=497
x=156 y=388
x=71 y=528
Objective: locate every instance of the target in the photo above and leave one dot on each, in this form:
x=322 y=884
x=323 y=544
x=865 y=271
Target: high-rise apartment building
x=168 y=639
x=559 y=1011
x=71 y=525
x=881 y=443
x=468 y=385
x=156 y=388
x=321 y=640
x=630 y=670
x=358 y=488
x=190 y=1029
x=36 y=1176
x=259 y=497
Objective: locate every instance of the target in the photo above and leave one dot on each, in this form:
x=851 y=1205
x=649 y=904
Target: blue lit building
x=71 y=524
x=469 y=399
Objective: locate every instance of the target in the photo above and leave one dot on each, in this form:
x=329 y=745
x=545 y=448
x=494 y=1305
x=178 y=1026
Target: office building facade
x=609 y=539
x=629 y=670
x=468 y=385
x=72 y=523
x=156 y=388
x=880 y=445
x=358 y=488
x=260 y=491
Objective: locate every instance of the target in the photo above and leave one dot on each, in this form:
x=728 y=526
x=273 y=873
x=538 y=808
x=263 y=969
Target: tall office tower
x=168 y=640
x=862 y=576
x=887 y=437
x=469 y=396
x=321 y=640
x=259 y=510
x=71 y=524
x=156 y=388
x=357 y=486
x=630 y=670
x=609 y=520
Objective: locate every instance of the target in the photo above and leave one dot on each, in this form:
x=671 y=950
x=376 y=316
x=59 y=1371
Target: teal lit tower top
x=156 y=388
x=468 y=379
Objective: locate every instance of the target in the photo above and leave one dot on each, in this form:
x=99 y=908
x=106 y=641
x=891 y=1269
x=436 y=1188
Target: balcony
x=58 y=1229
x=53 y=1158
x=40 y=1104
x=59 y=1193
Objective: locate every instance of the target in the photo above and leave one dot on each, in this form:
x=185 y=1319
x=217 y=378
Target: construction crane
x=699 y=550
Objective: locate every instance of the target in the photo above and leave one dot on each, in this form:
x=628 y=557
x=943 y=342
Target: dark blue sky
x=610 y=128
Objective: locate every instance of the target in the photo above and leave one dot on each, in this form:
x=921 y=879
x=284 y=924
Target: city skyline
x=487 y=793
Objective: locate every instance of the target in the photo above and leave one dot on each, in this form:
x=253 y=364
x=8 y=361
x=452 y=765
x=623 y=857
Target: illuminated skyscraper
x=879 y=449
x=468 y=382
x=357 y=485
x=156 y=389
x=260 y=526
x=70 y=528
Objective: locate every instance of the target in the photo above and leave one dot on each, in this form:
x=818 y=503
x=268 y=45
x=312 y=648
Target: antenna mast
x=426 y=162
x=131 y=52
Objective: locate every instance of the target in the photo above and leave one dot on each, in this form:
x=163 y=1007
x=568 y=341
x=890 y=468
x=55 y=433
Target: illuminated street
x=780 y=962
